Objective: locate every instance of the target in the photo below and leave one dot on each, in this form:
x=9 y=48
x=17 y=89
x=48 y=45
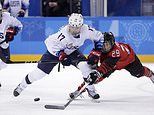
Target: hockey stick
x=2 y=42
x=78 y=89
x=62 y=107
x=45 y=61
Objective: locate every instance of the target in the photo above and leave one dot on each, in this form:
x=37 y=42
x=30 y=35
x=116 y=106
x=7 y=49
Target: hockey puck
x=37 y=99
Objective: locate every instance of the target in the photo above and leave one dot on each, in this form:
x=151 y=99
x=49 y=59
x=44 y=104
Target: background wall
x=35 y=8
x=137 y=31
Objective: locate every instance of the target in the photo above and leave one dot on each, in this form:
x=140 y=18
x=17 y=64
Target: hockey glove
x=64 y=59
x=93 y=77
x=93 y=57
x=10 y=33
x=21 y=13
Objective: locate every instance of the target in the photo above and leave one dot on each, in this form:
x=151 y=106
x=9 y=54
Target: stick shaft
x=45 y=61
x=83 y=87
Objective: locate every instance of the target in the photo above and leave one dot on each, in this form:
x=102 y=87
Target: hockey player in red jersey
x=117 y=56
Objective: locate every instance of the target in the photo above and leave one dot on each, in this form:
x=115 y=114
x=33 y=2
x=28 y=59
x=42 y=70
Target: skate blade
x=96 y=100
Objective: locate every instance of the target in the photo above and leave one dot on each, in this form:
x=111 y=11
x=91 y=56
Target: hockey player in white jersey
x=9 y=27
x=64 y=46
x=17 y=8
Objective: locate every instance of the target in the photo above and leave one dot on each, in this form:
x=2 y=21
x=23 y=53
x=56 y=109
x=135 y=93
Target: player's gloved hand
x=64 y=59
x=21 y=13
x=10 y=33
x=93 y=57
x=93 y=77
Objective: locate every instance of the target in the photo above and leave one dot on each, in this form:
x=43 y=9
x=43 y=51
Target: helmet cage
x=75 y=23
x=75 y=31
x=108 y=43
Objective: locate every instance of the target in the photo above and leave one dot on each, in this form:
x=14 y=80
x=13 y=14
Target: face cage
x=75 y=31
x=107 y=46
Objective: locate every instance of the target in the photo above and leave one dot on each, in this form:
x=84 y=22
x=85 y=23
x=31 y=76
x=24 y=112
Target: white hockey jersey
x=7 y=21
x=63 y=40
x=14 y=6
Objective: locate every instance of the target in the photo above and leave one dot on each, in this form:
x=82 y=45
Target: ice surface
x=121 y=93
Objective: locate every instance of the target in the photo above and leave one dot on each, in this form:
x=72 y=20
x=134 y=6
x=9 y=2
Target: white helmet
x=75 y=20
x=75 y=23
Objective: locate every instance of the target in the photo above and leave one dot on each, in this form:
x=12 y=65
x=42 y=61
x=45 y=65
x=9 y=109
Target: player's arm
x=14 y=22
x=6 y=4
x=14 y=27
x=10 y=33
x=108 y=64
x=97 y=38
x=25 y=4
x=55 y=45
x=24 y=8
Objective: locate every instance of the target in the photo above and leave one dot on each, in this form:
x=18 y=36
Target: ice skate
x=152 y=78
x=17 y=90
x=92 y=93
x=75 y=94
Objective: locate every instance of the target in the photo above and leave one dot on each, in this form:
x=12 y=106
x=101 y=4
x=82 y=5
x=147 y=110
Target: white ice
x=121 y=93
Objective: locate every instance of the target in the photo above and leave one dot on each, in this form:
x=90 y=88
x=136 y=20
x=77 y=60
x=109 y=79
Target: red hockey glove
x=64 y=59
x=10 y=33
x=93 y=57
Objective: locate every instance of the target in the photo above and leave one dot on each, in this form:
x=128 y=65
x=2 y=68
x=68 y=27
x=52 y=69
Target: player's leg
x=2 y=64
x=4 y=56
x=29 y=79
x=41 y=71
x=5 y=53
x=85 y=70
x=148 y=73
x=138 y=70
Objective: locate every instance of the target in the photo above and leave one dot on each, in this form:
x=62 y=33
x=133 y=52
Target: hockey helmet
x=75 y=23
x=109 y=41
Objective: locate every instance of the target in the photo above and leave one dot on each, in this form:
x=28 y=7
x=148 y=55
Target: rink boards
x=137 y=31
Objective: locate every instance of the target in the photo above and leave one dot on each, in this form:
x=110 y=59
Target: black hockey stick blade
x=55 y=107
x=64 y=106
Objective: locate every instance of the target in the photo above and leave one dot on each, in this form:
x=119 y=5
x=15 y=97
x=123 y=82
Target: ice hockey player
x=17 y=8
x=117 y=56
x=64 y=46
x=9 y=27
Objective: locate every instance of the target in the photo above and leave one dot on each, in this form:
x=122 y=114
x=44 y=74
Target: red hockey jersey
x=119 y=57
